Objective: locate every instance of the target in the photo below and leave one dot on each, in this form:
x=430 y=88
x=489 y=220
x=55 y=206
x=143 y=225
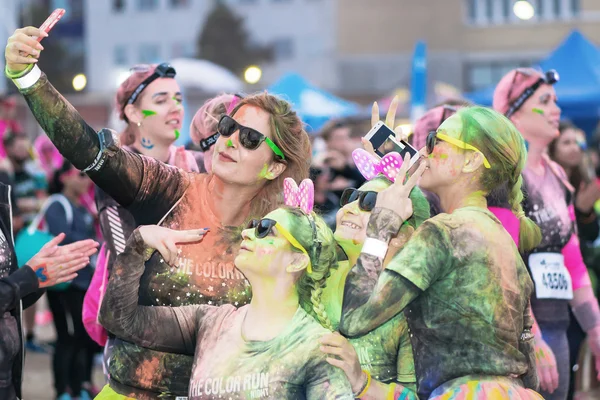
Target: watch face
x=108 y=137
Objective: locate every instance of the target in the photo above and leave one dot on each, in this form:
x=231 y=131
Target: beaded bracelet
x=366 y=387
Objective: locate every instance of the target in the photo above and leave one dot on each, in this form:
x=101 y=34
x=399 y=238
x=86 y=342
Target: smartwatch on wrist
x=107 y=139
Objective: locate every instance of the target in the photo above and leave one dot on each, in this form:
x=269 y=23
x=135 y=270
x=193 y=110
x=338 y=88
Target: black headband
x=550 y=78
x=163 y=70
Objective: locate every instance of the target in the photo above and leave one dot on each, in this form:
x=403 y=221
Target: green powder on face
x=441 y=156
x=148 y=113
x=229 y=143
x=263 y=172
x=176 y=134
x=538 y=111
x=178 y=101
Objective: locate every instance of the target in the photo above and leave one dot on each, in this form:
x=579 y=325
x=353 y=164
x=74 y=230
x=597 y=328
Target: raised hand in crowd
x=55 y=264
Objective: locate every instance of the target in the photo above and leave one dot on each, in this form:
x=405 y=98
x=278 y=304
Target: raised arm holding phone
x=261 y=142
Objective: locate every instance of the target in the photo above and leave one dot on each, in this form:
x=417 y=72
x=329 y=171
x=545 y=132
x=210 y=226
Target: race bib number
x=551 y=277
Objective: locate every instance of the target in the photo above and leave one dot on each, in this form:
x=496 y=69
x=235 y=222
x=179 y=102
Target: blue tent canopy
x=577 y=60
x=314 y=105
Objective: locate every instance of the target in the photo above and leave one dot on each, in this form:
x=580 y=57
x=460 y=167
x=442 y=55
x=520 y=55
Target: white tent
x=206 y=76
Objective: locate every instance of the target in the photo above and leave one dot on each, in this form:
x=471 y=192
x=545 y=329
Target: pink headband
x=302 y=196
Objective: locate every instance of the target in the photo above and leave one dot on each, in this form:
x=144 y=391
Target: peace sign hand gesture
x=396 y=197
x=390 y=120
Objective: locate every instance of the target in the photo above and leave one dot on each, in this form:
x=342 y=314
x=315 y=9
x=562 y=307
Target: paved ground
x=37 y=384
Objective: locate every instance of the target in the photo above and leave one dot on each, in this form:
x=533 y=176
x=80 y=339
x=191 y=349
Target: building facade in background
x=121 y=33
x=471 y=43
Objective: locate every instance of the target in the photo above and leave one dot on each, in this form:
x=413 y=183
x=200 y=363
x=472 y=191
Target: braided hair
x=316 y=237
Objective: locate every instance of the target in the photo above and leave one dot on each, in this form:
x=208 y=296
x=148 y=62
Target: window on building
x=120 y=55
x=179 y=3
x=472 y=10
x=179 y=49
x=556 y=8
x=118 y=5
x=506 y=9
x=539 y=8
x=481 y=75
x=501 y=11
x=147 y=5
x=489 y=10
x=283 y=49
x=575 y=4
x=149 y=53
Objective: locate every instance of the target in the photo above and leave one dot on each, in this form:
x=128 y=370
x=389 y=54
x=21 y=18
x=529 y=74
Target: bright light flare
x=524 y=10
x=252 y=74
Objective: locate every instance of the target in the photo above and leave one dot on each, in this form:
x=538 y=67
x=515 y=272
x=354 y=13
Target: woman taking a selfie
x=261 y=142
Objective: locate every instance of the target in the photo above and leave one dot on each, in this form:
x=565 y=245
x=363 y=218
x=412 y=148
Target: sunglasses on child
x=250 y=138
x=366 y=200
x=264 y=227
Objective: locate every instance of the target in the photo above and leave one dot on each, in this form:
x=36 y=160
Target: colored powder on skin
x=148 y=113
x=176 y=134
x=147 y=144
x=40 y=273
x=229 y=143
x=441 y=156
x=177 y=100
x=538 y=111
x=263 y=172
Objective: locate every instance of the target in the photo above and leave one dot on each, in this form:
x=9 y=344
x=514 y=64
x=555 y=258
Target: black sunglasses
x=366 y=200
x=549 y=78
x=163 y=70
x=431 y=141
x=262 y=227
x=250 y=138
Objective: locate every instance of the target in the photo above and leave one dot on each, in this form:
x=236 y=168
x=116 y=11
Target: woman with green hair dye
x=460 y=279
x=379 y=364
x=267 y=349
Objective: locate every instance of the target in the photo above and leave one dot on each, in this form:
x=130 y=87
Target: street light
x=523 y=10
x=252 y=74
x=79 y=82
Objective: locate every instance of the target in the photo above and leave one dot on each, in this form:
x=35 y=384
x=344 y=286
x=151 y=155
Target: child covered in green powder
x=267 y=349
x=385 y=354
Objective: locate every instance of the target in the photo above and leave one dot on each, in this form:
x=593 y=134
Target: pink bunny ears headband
x=302 y=196
x=370 y=166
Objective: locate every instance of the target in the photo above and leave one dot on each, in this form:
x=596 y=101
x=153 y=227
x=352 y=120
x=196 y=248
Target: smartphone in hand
x=51 y=21
x=384 y=141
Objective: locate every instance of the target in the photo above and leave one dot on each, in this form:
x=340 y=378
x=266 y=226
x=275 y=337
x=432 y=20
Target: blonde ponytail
x=530 y=235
